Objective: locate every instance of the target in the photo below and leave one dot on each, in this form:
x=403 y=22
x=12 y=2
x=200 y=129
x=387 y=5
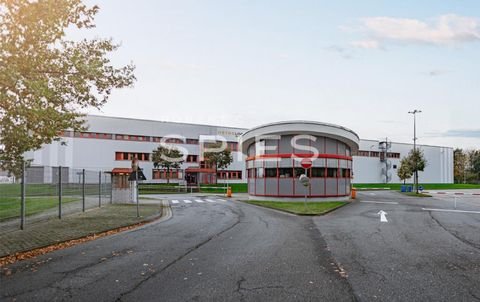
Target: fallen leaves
x=62 y=245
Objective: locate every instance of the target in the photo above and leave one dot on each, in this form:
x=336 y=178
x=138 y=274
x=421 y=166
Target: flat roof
x=158 y=121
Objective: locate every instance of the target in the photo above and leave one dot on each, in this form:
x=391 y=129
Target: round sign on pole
x=304 y=180
x=306 y=163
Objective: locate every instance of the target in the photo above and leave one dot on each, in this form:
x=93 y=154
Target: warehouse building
x=111 y=143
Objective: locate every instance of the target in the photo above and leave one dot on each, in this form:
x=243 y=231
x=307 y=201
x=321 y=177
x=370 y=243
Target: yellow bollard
x=354 y=193
x=229 y=192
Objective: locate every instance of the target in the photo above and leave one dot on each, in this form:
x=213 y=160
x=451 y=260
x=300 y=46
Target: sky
x=359 y=64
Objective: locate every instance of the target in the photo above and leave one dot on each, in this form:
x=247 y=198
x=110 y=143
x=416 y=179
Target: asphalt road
x=231 y=251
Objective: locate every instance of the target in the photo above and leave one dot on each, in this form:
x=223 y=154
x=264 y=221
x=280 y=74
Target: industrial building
x=110 y=143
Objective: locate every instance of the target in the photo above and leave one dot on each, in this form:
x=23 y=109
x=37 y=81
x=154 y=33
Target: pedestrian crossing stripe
x=188 y=201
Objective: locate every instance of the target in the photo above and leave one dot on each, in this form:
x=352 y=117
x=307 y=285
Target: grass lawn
x=295 y=207
x=425 y=186
x=163 y=188
x=413 y=194
x=10 y=206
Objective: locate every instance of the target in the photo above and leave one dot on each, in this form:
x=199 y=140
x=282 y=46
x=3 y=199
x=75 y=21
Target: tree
x=167 y=158
x=460 y=165
x=474 y=163
x=46 y=80
x=405 y=172
x=220 y=159
x=417 y=163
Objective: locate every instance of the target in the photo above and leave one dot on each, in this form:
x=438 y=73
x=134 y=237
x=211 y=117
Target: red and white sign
x=306 y=163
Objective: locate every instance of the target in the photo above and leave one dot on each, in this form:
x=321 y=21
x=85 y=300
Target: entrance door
x=191 y=178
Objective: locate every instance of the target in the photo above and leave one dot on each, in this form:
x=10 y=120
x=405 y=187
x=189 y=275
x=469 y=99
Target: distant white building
x=111 y=142
x=370 y=165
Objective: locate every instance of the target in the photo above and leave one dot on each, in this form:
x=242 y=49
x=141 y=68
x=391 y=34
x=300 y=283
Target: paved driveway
x=231 y=251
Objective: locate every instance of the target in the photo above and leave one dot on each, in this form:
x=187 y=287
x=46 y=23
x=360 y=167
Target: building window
x=251 y=173
x=298 y=171
x=162 y=174
x=393 y=155
x=374 y=154
x=363 y=153
x=285 y=172
x=332 y=172
x=318 y=172
x=172 y=140
x=192 y=158
x=233 y=146
x=192 y=141
x=271 y=172
x=346 y=173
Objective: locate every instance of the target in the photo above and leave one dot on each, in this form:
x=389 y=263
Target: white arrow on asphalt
x=382 y=214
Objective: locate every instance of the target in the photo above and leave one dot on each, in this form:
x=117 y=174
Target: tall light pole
x=414 y=112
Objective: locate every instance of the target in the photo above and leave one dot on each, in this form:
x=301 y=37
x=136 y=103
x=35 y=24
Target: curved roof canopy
x=345 y=135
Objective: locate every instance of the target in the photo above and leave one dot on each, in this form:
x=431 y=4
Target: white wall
x=369 y=169
x=99 y=154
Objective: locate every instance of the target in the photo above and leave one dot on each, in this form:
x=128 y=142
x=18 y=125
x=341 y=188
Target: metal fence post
x=22 y=205
x=60 y=192
x=83 y=190
x=136 y=193
x=100 y=189
x=111 y=188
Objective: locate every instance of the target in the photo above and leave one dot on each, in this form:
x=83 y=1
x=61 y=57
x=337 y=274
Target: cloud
x=444 y=30
x=366 y=44
x=465 y=133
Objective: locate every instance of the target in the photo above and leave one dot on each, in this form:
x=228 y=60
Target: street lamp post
x=414 y=112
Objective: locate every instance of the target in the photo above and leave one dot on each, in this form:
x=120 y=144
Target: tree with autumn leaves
x=46 y=80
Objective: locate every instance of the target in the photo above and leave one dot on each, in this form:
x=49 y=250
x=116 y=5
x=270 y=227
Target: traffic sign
x=304 y=180
x=306 y=163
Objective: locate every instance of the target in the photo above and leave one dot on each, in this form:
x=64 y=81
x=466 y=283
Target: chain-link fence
x=46 y=192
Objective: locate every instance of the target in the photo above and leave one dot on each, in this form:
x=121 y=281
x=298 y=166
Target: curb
x=166 y=214
x=295 y=214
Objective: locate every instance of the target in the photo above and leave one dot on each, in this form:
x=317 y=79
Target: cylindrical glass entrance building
x=274 y=153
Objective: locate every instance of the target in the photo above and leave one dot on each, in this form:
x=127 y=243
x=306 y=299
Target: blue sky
x=360 y=64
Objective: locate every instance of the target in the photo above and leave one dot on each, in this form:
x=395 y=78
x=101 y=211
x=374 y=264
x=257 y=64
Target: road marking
x=382 y=202
x=210 y=200
x=174 y=201
x=223 y=200
x=199 y=200
x=451 y=211
x=382 y=214
x=187 y=201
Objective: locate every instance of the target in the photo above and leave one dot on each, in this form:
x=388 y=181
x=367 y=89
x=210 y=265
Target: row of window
x=140 y=138
x=146 y=156
x=131 y=156
x=378 y=154
x=178 y=174
x=296 y=172
x=229 y=175
x=162 y=174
